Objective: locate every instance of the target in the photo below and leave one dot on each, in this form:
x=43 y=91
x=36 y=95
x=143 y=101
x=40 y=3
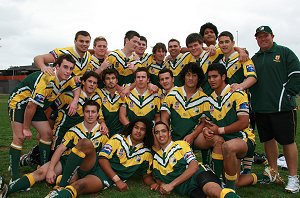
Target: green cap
x=263 y=28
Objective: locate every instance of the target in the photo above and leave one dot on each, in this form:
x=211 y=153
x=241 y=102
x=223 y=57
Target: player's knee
x=206 y=177
x=228 y=148
x=39 y=174
x=85 y=145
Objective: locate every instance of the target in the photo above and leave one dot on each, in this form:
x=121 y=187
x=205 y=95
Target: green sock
x=231 y=195
x=228 y=193
x=21 y=184
x=68 y=192
x=217 y=162
x=247 y=165
x=230 y=181
x=73 y=163
x=14 y=161
x=205 y=156
x=44 y=148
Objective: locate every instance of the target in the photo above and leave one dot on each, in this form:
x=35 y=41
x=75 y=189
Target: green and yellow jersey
x=126 y=159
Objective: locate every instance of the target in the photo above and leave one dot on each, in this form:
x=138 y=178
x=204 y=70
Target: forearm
x=187 y=174
x=239 y=125
x=165 y=117
x=123 y=116
x=249 y=82
x=56 y=156
x=76 y=94
x=29 y=113
x=105 y=165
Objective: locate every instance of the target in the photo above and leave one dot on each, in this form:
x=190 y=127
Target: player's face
x=215 y=80
x=64 y=70
x=142 y=46
x=166 y=81
x=110 y=81
x=90 y=114
x=132 y=43
x=195 y=49
x=162 y=134
x=141 y=80
x=264 y=40
x=138 y=132
x=226 y=44
x=159 y=55
x=209 y=36
x=90 y=85
x=82 y=43
x=100 y=48
x=174 y=49
x=191 y=80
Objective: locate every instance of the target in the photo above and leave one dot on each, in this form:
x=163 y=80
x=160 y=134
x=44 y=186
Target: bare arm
x=73 y=105
x=149 y=181
x=244 y=85
x=123 y=116
x=41 y=60
x=165 y=117
x=28 y=115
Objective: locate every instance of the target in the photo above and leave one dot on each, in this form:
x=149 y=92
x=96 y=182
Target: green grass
x=136 y=187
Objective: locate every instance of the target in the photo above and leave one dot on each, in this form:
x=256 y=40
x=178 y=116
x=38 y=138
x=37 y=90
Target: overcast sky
x=32 y=27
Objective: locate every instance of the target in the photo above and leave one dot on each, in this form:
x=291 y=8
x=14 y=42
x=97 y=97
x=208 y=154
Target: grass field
x=136 y=187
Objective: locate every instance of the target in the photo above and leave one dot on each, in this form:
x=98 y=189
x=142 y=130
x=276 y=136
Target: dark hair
x=148 y=139
x=161 y=122
x=99 y=38
x=142 y=69
x=226 y=33
x=165 y=70
x=142 y=38
x=158 y=46
x=192 y=38
x=220 y=68
x=83 y=33
x=91 y=103
x=210 y=26
x=88 y=74
x=109 y=71
x=66 y=57
x=130 y=34
x=195 y=69
x=173 y=40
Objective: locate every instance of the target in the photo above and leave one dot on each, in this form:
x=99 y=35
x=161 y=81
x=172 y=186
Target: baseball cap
x=263 y=28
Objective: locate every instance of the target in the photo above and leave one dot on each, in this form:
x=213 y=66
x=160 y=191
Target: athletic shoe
x=273 y=176
x=293 y=184
x=3 y=191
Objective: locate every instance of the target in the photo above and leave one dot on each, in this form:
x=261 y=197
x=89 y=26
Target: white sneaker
x=293 y=184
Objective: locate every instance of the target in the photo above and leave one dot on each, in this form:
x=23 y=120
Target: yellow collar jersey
x=119 y=61
x=146 y=59
x=95 y=63
x=170 y=163
x=237 y=71
x=146 y=105
x=126 y=159
x=78 y=132
x=177 y=65
x=39 y=88
x=224 y=110
x=81 y=63
x=110 y=109
x=184 y=113
x=153 y=69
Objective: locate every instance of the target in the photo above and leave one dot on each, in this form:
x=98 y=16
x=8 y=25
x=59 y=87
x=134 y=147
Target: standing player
x=175 y=168
x=27 y=104
x=79 y=53
x=140 y=51
x=166 y=80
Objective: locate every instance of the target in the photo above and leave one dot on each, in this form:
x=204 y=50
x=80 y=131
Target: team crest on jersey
x=137 y=158
x=277 y=59
x=131 y=104
x=176 y=106
x=151 y=105
x=107 y=149
x=181 y=65
x=121 y=152
x=96 y=143
x=244 y=105
x=250 y=68
x=173 y=160
x=39 y=98
x=211 y=108
x=196 y=109
x=117 y=64
x=104 y=100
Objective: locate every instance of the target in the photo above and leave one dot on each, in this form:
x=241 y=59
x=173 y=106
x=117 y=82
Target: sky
x=32 y=27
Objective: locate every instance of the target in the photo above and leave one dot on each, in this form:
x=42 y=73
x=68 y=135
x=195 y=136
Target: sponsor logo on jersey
x=107 y=149
x=104 y=100
x=250 y=68
x=96 y=143
x=39 y=98
x=131 y=104
x=244 y=105
x=196 y=109
x=228 y=105
x=173 y=160
x=176 y=106
x=121 y=152
x=138 y=158
x=211 y=108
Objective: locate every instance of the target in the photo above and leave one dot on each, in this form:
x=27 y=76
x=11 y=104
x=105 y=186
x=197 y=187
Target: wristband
x=221 y=130
x=116 y=178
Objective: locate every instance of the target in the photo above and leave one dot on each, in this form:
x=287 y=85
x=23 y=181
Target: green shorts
x=17 y=115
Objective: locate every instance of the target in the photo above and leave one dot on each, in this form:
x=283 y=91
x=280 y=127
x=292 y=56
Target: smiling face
x=64 y=70
x=132 y=44
x=195 y=48
x=166 y=80
x=159 y=55
x=82 y=43
x=90 y=85
x=138 y=132
x=226 y=45
x=142 y=46
x=174 y=49
x=264 y=40
x=209 y=37
x=162 y=135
